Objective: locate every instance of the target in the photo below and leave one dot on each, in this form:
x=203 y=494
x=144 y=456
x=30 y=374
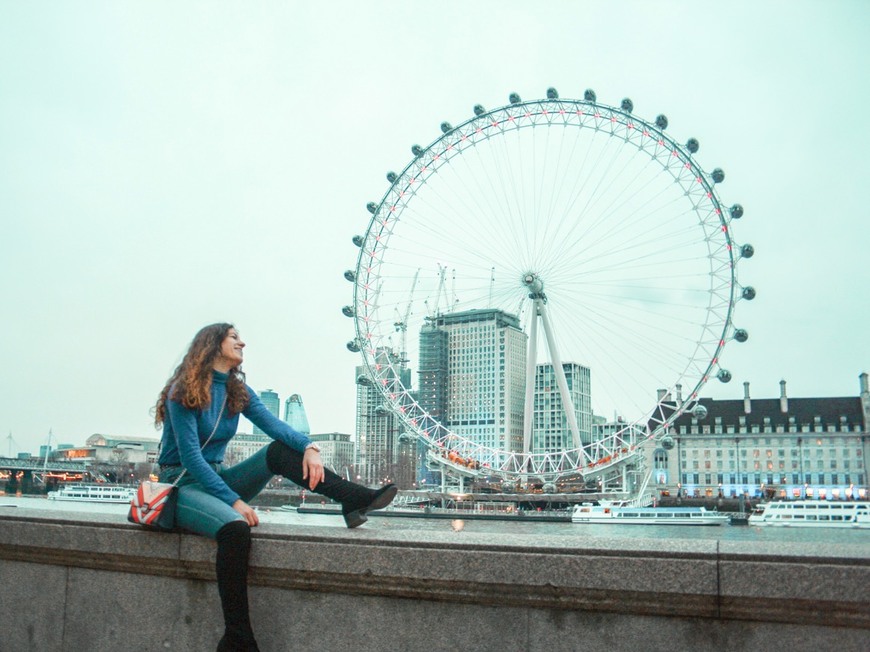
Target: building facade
x=550 y=431
x=337 y=451
x=377 y=455
x=272 y=403
x=294 y=414
x=783 y=447
x=243 y=445
x=111 y=449
x=472 y=374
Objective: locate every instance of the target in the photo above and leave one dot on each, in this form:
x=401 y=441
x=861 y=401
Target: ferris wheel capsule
x=392 y=176
x=700 y=412
x=627 y=105
x=748 y=293
x=662 y=121
x=348 y=311
x=736 y=211
x=747 y=251
x=357 y=240
x=552 y=94
x=741 y=335
x=667 y=442
x=479 y=110
x=718 y=175
x=353 y=347
x=350 y=275
x=693 y=145
x=372 y=207
x=724 y=376
x=514 y=98
x=416 y=150
x=589 y=95
x=446 y=127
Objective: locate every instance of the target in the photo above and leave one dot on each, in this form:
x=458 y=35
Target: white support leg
x=531 y=368
x=567 y=403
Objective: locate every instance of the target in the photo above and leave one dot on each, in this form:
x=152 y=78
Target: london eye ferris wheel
x=603 y=241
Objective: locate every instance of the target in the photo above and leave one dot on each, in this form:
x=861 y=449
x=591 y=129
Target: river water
x=824 y=537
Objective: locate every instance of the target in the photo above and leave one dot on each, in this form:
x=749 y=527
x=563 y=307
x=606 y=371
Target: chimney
x=865 y=387
x=661 y=394
x=680 y=392
x=783 y=399
x=747 y=405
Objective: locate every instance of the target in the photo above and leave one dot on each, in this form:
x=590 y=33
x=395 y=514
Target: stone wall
x=89 y=584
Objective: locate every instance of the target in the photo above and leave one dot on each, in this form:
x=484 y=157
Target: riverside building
x=379 y=454
x=336 y=451
x=472 y=375
x=295 y=416
x=782 y=447
x=272 y=403
x=550 y=431
x=111 y=449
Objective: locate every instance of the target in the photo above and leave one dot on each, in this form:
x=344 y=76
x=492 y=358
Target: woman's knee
x=278 y=455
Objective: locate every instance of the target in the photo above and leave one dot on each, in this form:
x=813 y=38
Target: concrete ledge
x=500 y=590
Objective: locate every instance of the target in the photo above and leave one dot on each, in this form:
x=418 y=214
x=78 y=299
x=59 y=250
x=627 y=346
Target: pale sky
x=165 y=165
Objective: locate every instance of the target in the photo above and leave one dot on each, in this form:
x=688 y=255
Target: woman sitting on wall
x=206 y=395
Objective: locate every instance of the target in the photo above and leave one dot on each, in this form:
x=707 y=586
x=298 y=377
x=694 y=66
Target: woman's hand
x=247 y=512
x=312 y=468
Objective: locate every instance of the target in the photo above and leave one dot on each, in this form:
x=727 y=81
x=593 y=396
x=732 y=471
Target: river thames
x=580 y=532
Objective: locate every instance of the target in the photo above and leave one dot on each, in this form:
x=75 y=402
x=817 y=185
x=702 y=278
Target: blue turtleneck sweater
x=185 y=431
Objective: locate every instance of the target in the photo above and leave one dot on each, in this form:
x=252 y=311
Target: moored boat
x=606 y=514
x=102 y=493
x=813 y=513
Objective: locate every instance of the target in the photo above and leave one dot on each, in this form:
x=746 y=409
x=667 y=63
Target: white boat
x=102 y=493
x=813 y=513
x=587 y=513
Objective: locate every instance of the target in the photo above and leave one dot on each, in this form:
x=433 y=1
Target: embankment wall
x=97 y=583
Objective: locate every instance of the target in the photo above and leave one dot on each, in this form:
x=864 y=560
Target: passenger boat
x=607 y=514
x=813 y=513
x=102 y=493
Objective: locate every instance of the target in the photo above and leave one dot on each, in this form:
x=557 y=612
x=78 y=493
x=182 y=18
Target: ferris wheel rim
x=426 y=161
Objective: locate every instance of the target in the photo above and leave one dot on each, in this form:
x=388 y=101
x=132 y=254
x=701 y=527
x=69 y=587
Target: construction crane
x=402 y=325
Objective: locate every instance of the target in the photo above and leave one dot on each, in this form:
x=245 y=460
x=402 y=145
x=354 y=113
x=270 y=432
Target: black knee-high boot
x=233 y=550
x=355 y=499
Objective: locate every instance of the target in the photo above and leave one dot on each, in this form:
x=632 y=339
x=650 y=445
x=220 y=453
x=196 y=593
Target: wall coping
x=796 y=583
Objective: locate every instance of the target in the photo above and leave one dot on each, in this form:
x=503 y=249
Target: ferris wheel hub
x=533 y=282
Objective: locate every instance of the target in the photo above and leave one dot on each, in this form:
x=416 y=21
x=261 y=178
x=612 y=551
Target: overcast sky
x=165 y=165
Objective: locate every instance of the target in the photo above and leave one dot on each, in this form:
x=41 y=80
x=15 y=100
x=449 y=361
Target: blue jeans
x=202 y=513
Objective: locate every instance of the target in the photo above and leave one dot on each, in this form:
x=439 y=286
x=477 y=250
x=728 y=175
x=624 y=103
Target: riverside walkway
x=76 y=582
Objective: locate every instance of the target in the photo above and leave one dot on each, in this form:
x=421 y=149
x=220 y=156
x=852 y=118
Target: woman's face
x=231 y=348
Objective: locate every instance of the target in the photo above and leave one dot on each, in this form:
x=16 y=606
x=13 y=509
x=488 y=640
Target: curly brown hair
x=190 y=384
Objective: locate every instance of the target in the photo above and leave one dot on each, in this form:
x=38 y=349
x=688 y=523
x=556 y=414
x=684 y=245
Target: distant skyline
x=168 y=165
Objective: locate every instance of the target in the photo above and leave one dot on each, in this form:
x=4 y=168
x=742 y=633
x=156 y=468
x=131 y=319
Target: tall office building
x=550 y=431
x=270 y=400
x=294 y=414
x=472 y=373
x=378 y=451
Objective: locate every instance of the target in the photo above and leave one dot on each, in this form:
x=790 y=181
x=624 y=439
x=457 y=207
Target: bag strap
x=213 y=431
